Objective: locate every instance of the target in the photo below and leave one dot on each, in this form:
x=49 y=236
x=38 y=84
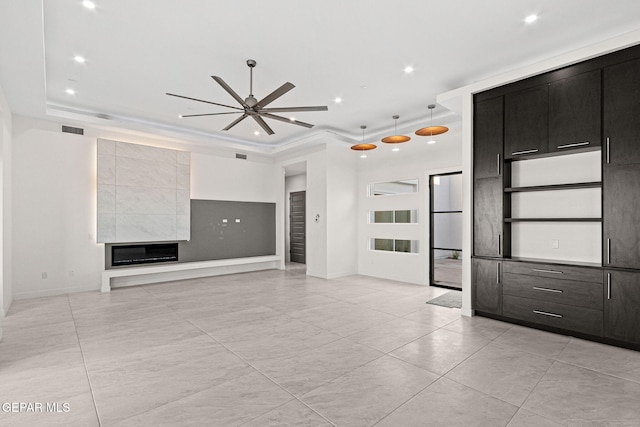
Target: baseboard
x=54 y=292
x=343 y=274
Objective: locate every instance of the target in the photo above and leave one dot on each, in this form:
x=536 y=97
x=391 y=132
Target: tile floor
x=278 y=348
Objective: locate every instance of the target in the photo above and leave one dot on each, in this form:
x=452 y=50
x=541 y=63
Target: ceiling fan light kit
x=395 y=139
x=252 y=107
x=432 y=130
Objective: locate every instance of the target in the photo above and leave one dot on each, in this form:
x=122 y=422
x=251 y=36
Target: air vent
x=241 y=156
x=70 y=129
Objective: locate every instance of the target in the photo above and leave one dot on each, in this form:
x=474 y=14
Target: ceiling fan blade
x=275 y=95
x=209 y=114
x=294 y=109
x=284 y=119
x=263 y=124
x=231 y=92
x=202 y=100
x=236 y=121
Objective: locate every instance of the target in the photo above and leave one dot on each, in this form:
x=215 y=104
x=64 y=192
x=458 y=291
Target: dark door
x=297 y=228
x=526 y=122
x=488 y=220
x=486 y=286
x=622 y=113
x=622 y=306
x=621 y=215
x=575 y=112
x=488 y=138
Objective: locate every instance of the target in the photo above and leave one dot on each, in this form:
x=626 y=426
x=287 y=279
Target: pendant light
x=362 y=146
x=395 y=138
x=431 y=130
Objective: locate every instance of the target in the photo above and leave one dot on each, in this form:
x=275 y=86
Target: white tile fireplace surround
x=143 y=193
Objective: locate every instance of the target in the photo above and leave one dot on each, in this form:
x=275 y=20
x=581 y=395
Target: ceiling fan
x=253 y=108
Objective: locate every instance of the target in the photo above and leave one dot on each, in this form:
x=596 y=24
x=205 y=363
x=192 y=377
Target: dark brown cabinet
x=526 y=122
x=488 y=219
x=622 y=113
x=487 y=289
x=622 y=306
x=575 y=106
x=488 y=138
x=621 y=216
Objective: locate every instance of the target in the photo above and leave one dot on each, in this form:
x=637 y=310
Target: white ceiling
x=136 y=50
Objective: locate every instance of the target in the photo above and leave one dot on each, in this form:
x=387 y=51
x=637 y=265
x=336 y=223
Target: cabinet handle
x=498 y=163
x=517 y=153
x=608 y=285
x=498 y=273
x=557 y=291
x=499 y=244
x=608 y=251
x=544 y=313
x=575 y=144
x=608 y=157
x=547 y=271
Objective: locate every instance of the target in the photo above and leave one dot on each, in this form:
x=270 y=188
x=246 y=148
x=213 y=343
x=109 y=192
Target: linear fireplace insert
x=143 y=254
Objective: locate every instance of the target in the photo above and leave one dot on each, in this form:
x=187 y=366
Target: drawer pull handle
x=544 y=313
x=608 y=156
x=517 y=153
x=557 y=291
x=547 y=271
x=575 y=144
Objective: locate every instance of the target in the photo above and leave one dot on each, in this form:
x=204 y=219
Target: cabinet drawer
x=570 y=318
x=562 y=272
x=552 y=289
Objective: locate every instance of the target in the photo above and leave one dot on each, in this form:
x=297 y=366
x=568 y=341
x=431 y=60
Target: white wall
x=419 y=162
x=6 y=208
x=55 y=201
x=291 y=184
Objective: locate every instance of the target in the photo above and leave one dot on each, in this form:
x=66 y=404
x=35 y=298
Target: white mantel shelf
x=187 y=270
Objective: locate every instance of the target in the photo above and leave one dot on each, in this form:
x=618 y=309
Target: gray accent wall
x=143 y=193
x=249 y=230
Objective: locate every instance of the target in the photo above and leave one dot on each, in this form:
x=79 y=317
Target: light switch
x=555 y=244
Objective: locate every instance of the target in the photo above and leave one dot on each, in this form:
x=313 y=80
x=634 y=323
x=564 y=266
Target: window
x=391 y=217
x=394 y=245
x=393 y=187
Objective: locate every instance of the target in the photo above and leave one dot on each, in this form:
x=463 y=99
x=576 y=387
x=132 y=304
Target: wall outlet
x=44 y=274
x=555 y=244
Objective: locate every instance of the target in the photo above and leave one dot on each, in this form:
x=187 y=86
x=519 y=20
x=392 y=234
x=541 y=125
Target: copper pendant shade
x=395 y=139
x=363 y=146
x=432 y=130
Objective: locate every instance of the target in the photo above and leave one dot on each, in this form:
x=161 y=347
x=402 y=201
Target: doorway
x=297 y=226
x=446 y=230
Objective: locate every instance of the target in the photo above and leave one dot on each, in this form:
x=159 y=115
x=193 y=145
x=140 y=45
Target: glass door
x=446 y=230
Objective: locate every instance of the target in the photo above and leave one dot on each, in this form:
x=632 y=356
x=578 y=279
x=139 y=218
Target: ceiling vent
x=241 y=156
x=70 y=129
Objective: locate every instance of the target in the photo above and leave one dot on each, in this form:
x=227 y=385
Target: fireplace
x=143 y=254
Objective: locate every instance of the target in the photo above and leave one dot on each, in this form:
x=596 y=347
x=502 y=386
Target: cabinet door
x=488 y=138
x=488 y=217
x=526 y=121
x=622 y=113
x=622 y=306
x=621 y=216
x=486 y=285
x=575 y=106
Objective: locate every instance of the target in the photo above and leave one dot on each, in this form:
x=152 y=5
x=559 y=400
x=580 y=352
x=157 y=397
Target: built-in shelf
x=553 y=220
x=594 y=184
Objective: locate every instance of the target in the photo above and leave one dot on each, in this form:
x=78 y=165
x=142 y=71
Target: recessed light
x=293 y=119
x=256 y=133
x=337 y=100
x=70 y=91
x=408 y=70
x=431 y=141
x=396 y=149
x=79 y=59
x=363 y=156
x=89 y=4
x=531 y=18
x=180 y=115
